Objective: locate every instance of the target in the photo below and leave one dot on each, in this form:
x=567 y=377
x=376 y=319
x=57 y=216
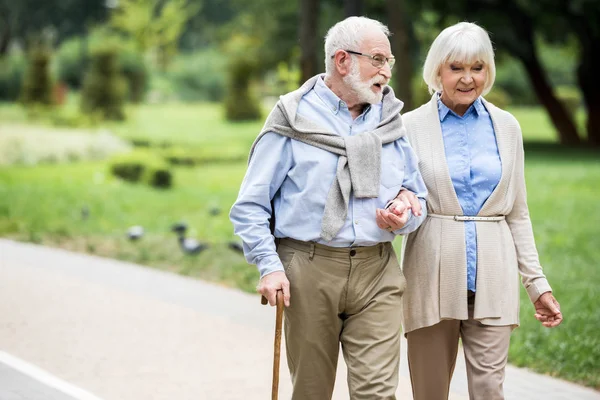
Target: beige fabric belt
x=468 y=217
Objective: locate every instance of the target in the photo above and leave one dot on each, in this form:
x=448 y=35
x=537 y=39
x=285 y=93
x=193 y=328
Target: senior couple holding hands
x=337 y=172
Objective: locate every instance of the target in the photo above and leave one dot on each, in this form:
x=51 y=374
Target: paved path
x=118 y=331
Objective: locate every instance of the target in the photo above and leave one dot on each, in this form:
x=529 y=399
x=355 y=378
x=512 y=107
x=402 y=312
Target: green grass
x=563 y=195
x=537 y=126
x=43 y=204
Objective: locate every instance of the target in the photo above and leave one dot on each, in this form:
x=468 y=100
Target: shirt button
x=356 y=222
x=352 y=253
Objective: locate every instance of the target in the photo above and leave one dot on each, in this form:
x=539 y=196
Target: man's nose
x=386 y=71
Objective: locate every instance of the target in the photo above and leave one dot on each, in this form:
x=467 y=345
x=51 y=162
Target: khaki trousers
x=350 y=296
x=432 y=355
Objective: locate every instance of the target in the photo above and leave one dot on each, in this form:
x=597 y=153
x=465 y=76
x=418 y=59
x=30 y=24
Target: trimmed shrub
x=142 y=166
x=241 y=104
x=12 y=70
x=73 y=57
x=104 y=88
x=37 y=83
x=135 y=71
x=569 y=97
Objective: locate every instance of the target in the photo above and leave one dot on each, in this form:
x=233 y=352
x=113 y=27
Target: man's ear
x=342 y=62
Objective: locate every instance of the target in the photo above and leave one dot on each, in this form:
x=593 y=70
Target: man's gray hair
x=348 y=35
x=464 y=42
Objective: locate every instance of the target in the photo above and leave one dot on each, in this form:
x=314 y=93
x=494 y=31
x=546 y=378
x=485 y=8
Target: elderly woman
x=461 y=265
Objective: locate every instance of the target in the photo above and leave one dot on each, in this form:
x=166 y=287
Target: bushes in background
x=200 y=76
x=142 y=166
x=73 y=59
x=241 y=104
x=37 y=83
x=104 y=88
x=12 y=70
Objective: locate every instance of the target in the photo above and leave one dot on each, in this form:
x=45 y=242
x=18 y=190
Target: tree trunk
x=589 y=84
x=522 y=46
x=309 y=21
x=353 y=8
x=401 y=28
x=562 y=120
x=5 y=35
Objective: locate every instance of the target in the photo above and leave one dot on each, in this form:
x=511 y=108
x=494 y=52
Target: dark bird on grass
x=235 y=246
x=85 y=212
x=214 y=211
x=179 y=228
x=191 y=246
x=135 y=232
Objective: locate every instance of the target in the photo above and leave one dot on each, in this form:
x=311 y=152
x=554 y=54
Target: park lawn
x=201 y=124
x=42 y=204
x=563 y=198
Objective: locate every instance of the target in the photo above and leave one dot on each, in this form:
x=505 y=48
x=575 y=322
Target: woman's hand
x=391 y=221
x=410 y=200
x=547 y=310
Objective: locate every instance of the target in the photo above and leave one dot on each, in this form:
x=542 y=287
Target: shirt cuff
x=268 y=265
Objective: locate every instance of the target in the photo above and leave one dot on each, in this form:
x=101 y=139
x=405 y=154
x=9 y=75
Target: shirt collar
x=331 y=100
x=477 y=108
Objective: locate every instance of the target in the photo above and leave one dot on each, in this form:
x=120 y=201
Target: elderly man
x=328 y=158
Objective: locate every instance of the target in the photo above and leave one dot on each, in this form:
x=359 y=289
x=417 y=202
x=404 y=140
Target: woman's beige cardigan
x=434 y=256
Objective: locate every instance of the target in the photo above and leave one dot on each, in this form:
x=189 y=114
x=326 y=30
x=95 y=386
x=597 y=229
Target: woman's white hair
x=348 y=35
x=464 y=42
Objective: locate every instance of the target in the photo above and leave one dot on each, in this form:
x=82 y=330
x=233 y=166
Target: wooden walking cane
x=277 y=349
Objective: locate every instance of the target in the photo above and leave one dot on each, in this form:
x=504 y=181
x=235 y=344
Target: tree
x=154 y=25
x=28 y=19
x=37 y=83
x=104 y=87
x=515 y=24
x=309 y=11
x=399 y=23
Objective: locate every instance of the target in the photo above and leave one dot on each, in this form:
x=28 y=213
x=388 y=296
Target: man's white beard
x=362 y=89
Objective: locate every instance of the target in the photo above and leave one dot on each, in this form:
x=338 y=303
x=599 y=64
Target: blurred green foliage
x=499 y=97
x=570 y=97
x=12 y=70
x=74 y=57
x=242 y=103
x=37 y=83
x=104 y=88
x=142 y=166
x=199 y=76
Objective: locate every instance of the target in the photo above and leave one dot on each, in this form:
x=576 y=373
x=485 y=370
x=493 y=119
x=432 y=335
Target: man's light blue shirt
x=474 y=165
x=298 y=176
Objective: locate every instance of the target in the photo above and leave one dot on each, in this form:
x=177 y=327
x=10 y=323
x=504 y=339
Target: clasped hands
x=396 y=215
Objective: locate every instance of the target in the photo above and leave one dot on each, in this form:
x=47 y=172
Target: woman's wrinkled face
x=462 y=84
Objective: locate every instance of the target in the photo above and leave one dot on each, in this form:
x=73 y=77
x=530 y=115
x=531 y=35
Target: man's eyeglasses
x=377 y=60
